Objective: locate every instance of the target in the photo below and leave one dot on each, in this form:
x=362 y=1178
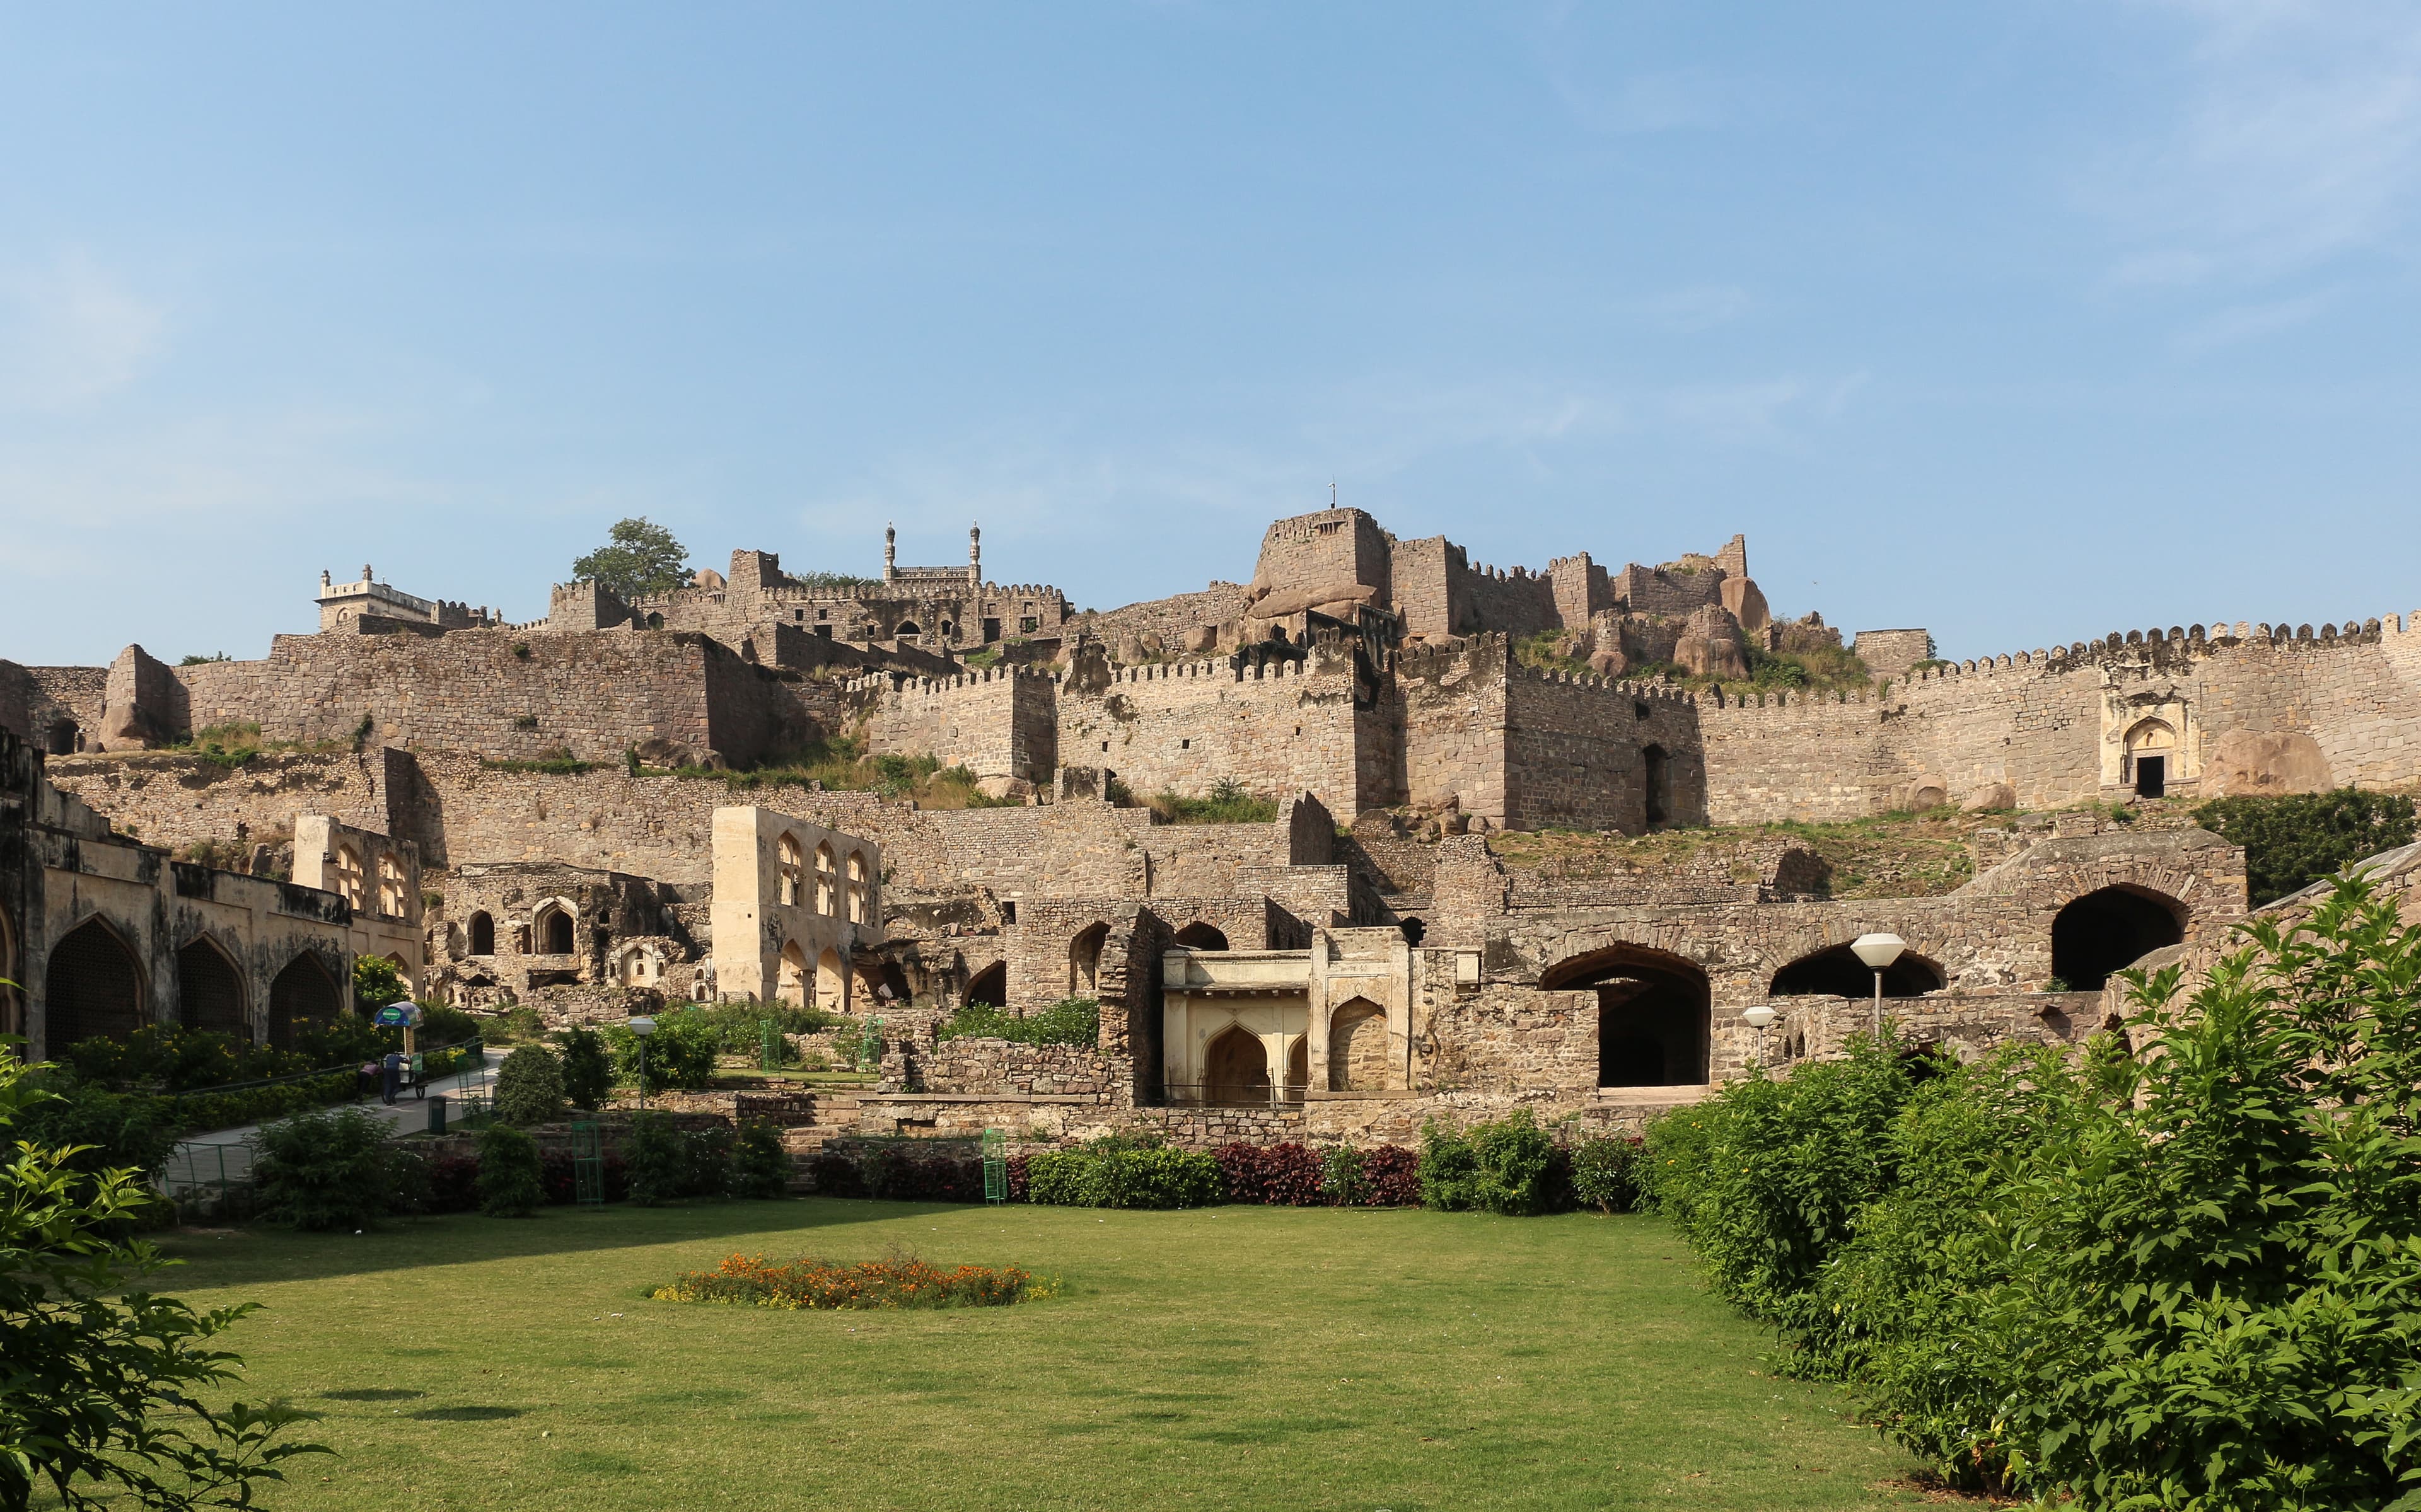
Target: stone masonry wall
x=996 y=723
x=1575 y=752
x=1454 y=713
x=506 y=694
x=177 y=802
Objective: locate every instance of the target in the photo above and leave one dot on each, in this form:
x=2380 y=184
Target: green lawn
x=1237 y=1357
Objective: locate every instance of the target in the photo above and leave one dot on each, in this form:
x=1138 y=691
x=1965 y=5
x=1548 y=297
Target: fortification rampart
x=998 y=721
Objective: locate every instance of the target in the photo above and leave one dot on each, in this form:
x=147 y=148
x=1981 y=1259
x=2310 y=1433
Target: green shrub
x=1507 y=1166
x=739 y=1028
x=116 y=1131
x=679 y=1054
x=1115 y=1173
x=760 y=1167
x=1605 y=1173
x=529 y=1088
x=376 y=984
x=335 y=1169
x=1341 y=1177
x=509 y=1182
x=2294 y=840
x=656 y=1158
x=1227 y=803
x=442 y=1024
x=2187 y=1280
x=517 y=1025
x=587 y=1069
x=709 y=1161
x=1076 y=1020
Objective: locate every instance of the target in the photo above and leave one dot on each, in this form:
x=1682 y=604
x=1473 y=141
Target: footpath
x=226 y=1154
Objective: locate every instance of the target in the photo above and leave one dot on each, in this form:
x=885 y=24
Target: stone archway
x=551 y=932
x=791 y=982
x=832 y=982
x=1236 y=1067
x=1652 y=1010
x=302 y=994
x=2109 y=929
x=92 y=986
x=480 y=934
x=210 y=990
x=1202 y=935
x=1358 y=1059
x=1838 y=971
x=990 y=986
x=1084 y=960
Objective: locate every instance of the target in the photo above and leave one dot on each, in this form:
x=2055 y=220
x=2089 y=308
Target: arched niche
x=302 y=994
x=92 y=986
x=832 y=982
x=209 y=990
x=791 y=985
x=551 y=932
x=1202 y=935
x=990 y=986
x=479 y=933
x=1084 y=960
x=1358 y=1058
x=1235 y=1067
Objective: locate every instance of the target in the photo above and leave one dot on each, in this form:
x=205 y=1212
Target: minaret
x=890 y=552
x=975 y=556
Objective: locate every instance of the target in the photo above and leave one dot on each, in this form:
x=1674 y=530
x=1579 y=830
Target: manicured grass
x=1237 y=1357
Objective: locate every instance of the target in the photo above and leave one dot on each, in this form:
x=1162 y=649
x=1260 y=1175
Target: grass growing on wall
x=1885 y=855
x=1215 y=1357
x=1227 y=803
x=841 y=764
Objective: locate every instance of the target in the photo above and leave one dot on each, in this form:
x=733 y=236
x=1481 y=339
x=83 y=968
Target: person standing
x=394 y=1079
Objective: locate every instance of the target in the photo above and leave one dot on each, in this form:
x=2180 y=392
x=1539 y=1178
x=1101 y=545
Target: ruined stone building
x=1375 y=952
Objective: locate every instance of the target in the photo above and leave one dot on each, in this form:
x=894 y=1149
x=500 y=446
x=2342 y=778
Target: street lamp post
x=643 y=1026
x=1758 y=1018
x=1878 y=951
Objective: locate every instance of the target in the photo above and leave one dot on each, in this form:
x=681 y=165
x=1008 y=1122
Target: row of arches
x=1654 y=1013
x=93 y=986
x=1236 y=1063
x=552 y=932
x=833 y=891
x=351 y=882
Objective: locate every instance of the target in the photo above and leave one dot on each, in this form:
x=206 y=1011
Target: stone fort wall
x=1000 y=722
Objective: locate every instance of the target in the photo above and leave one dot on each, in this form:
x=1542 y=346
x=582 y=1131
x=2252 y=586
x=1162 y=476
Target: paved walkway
x=225 y=1154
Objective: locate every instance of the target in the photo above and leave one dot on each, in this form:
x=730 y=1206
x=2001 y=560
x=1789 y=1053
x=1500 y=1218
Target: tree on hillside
x=640 y=557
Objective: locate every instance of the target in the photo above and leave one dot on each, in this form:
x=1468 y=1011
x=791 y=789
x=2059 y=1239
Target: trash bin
x=437 y=1114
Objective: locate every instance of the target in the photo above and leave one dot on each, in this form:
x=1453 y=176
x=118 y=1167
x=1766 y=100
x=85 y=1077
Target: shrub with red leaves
x=1284 y=1176
x=1391 y=1176
x=453 y=1184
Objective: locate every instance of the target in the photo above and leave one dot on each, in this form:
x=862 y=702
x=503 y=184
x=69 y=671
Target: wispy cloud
x=2297 y=140
x=2251 y=321
x=72 y=333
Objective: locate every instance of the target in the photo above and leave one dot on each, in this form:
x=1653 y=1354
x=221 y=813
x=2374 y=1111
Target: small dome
x=709 y=579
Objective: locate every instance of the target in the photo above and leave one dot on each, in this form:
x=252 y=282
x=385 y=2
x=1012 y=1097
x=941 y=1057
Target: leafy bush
x=1076 y=1020
x=587 y=1069
x=1391 y=1177
x=376 y=984
x=529 y=1088
x=256 y=1104
x=760 y=1167
x=517 y=1025
x=508 y=1181
x=442 y=1024
x=679 y=1054
x=1605 y=1173
x=2184 y=1281
x=1113 y=1173
x=119 y=1131
x=739 y=1028
x=658 y=1160
x=1227 y=803
x=1288 y=1175
x=1507 y=1166
x=898 y=1174
x=750 y=1280
x=109 y=1383
x=336 y=1169
x=2295 y=840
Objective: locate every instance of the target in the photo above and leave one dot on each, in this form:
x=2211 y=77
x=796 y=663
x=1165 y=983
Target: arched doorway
x=908 y=631
x=481 y=931
x=2110 y=928
x=1651 y=1014
x=1838 y=971
x=348 y=875
x=554 y=930
x=1655 y=785
x=1236 y=1067
x=1085 y=962
x=302 y=994
x=63 y=738
x=1357 y=1047
x=791 y=983
x=2151 y=757
x=990 y=986
x=210 y=990
x=1298 y=1069
x=827 y=880
x=1201 y=935
x=832 y=983
x=788 y=861
x=91 y=988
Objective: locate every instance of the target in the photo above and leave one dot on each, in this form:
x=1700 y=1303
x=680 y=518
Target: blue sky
x=2024 y=322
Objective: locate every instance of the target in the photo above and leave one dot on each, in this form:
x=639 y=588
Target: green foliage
x=2187 y=1280
x=204 y=660
x=1507 y=1166
x=529 y=1088
x=639 y=559
x=509 y=1182
x=1116 y=1171
x=666 y=1164
x=96 y=1129
x=517 y=1025
x=335 y=1169
x=2294 y=840
x=1227 y=803
x=739 y=1028
x=1076 y=1020
x=1605 y=1173
x=587 y=1069
x=1341 y=1177
x=841 y=765
x=553 y=766
x=760 y=1167
x=107 y=1384
x=680 y=1054
x=376 y=984
x=829 y=581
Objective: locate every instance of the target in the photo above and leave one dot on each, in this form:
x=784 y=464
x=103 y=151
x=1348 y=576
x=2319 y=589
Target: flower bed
x=751 y=1281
